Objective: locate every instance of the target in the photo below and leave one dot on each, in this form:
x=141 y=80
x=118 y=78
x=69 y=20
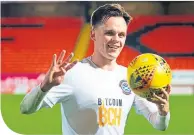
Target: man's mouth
x=113 y=46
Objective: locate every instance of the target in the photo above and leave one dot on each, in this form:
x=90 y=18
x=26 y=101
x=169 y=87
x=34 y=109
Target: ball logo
x=125 y=87
x=144 y=59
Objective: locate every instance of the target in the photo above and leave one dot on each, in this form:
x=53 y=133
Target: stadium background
x=31 y=32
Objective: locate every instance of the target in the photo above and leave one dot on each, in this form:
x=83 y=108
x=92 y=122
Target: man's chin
x=112 y=56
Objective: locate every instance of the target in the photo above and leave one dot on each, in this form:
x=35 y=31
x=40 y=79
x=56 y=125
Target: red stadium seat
x=174 y=39
x=32 y=48
x=165 y=34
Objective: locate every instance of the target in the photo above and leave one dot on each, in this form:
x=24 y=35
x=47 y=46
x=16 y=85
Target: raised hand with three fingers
x=56 y=72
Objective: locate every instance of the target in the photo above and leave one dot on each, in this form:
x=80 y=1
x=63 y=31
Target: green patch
x=48 y=121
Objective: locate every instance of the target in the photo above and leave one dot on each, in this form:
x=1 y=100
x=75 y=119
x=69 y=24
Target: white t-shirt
x=94 y=101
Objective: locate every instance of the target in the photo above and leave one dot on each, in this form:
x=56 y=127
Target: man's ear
x=92 y=34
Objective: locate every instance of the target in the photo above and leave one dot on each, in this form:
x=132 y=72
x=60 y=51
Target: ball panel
x=141 y=60
x=147 y=74
x=160 y=78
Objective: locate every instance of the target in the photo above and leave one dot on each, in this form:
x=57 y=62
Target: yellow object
x=147 y=74
x=82 y=44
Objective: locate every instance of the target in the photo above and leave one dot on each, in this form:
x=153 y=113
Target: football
x=147 y=74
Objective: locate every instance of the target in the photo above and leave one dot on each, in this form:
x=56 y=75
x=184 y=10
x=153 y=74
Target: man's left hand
x=162 y=101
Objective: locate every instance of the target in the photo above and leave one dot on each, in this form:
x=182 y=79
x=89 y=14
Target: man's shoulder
x=81 y=66
x=77 y=72
x=122 y=68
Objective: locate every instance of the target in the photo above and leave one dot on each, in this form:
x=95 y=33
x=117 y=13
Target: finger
x=64 y=64
x=166 y=95
x=159 y=98
x=168 y=89
x=63 y=70
x=67 y=60
x=69 y=57
x=154 y=100
x=54 y=60
x=150 y=99
x=161 y=105
x=60 y=59
x=71 y=65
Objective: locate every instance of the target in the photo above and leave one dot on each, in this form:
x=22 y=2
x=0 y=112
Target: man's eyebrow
x=112 y=30
x=109 y=30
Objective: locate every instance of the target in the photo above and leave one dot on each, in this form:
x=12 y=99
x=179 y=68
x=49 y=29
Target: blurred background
x=31 y=32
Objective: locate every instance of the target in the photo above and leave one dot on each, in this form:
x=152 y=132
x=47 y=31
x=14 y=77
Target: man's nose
x=116 y=37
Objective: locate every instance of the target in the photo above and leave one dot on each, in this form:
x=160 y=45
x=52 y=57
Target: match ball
x=147 y=74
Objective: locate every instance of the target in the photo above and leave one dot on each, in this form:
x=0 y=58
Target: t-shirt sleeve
x=57 y=94
x=37 y=99
x=150 y=111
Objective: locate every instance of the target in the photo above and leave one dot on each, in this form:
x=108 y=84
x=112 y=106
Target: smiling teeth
x=114 y=47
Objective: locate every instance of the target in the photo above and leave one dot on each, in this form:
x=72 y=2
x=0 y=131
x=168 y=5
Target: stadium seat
x=174 y=39
x=32 y=48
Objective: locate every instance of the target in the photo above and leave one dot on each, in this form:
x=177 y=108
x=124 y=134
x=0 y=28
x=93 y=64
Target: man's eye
x=109 y=33
x=121 y=35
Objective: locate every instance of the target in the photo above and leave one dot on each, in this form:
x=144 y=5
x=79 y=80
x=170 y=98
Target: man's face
x=109 y=37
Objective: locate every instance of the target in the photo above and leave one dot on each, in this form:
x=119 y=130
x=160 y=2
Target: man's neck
x=103 y=62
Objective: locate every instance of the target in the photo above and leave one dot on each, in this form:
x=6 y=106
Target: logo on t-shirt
x=109 y=111
x=125 y=87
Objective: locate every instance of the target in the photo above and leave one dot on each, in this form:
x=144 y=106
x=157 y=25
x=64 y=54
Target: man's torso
x=100 y=103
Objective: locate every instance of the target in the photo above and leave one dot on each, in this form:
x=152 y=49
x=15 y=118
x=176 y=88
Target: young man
x=93 y=93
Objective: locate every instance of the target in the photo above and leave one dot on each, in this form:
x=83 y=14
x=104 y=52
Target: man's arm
x=33 y=101
x=37 y=99
x=54 y=87
x=151 y=112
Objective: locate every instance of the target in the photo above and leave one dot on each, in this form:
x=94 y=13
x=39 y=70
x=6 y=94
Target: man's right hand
x=55 y=74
